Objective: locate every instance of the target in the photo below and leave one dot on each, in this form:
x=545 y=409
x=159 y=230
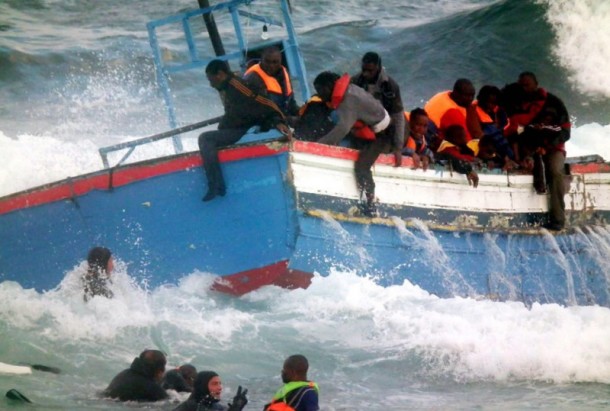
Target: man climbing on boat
x=448 y=108
x=271 y=79
x=243 y=110
x=374 y=79
x=540 y=125
x=356 y=111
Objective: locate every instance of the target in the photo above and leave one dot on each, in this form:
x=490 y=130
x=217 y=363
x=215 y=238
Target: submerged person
x=141 y=381
x=243 y=110
x=96 y=279
x=206 y=395
x=180 y=379
x=298 y=392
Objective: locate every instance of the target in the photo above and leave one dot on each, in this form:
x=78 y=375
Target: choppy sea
x=78 y=75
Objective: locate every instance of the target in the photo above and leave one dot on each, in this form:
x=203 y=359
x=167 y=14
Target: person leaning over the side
x=243 y=110
x=357 y=111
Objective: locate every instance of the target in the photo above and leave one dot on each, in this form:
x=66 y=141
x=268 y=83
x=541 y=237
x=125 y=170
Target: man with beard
x=298 y=393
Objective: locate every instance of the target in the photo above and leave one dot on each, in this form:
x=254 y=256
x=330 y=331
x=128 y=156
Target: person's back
x=297 y=393
x=140 y=381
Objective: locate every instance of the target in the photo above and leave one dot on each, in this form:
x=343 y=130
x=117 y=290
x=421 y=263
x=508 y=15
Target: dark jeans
x=209 y=143
x=366 y=158
x=551 y=167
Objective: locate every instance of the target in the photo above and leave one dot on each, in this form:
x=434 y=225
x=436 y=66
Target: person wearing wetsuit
x=140 y=382
x=207 y=390
x=180 y=379
x=97 y=278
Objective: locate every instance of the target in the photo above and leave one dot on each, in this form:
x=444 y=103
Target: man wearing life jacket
x=297 y=394
x=374 y=79
x=243 y=109
x=271 y=79
x=448 y=108
x=355 y=109
x=542 y=128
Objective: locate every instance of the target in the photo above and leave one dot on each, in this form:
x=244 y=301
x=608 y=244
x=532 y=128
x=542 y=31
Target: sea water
x=76 y=76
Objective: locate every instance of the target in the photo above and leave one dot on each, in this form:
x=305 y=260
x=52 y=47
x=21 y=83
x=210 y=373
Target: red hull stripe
x=128 y=174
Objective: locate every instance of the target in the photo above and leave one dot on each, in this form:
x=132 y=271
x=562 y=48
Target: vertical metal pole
x=210 y=24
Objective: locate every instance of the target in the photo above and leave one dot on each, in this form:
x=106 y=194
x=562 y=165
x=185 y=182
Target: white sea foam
x=344 y=313
x=582 y=41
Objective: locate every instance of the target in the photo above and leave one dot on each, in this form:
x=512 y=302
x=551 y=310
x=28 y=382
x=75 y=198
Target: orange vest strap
x=339 y=91
x=271 y=84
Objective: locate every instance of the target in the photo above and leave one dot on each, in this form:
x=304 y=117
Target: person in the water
x=97 y=278
x=206 y=395
x=180 y=379
x=141 y=381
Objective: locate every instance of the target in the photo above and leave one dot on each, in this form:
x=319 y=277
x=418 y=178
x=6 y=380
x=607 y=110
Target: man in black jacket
x=140 y=382
x=375 y=81
x=243 y=109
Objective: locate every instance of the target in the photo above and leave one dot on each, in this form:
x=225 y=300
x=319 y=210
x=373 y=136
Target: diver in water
x=141 y=381
x=206 y=395
x=97 y=277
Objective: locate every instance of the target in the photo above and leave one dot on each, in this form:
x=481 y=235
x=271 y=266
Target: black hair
x=153 y=361
x=460 y=84
x=371 y=58
x=417 y=112
x=98 y=258
x=487 y=91
x=530 y=75
x=216 y=66
x=326 y=79
x=298 y=363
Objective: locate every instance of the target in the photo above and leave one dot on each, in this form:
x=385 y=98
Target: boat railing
x=131 y=145
x=238 y=10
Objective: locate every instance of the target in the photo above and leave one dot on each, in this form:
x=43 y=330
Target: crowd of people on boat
x=521 y=126
x=146 y=380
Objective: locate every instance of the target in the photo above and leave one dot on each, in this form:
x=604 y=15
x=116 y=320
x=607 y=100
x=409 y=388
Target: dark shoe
x=211 y=194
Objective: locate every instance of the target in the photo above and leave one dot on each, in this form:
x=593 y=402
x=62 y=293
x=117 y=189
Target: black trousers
x=366 y=158
x=209 y=143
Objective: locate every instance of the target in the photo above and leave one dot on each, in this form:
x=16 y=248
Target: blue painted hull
x=566 y=269
x=159 y=226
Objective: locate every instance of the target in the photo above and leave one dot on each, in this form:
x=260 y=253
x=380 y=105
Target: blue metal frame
x=294 y=59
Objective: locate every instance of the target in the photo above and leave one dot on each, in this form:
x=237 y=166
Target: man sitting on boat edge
x=243 y=110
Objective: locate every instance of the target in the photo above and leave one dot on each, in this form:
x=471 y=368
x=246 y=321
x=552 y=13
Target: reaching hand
x=239 y=401
x=286 y=131
x=397 y=158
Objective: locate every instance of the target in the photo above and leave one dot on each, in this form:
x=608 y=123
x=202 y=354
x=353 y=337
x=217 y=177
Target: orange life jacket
x=360 y=129
x=271 y=83
x=278 y=403
x=443 y=112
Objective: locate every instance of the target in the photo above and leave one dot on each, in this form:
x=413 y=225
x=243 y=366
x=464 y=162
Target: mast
x=210 y=24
